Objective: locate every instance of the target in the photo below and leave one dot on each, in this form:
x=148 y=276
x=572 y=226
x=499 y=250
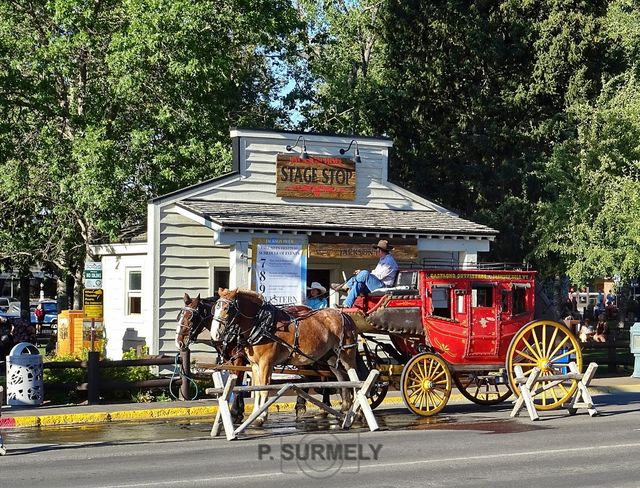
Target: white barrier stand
x=360 y=403
x=528 y=390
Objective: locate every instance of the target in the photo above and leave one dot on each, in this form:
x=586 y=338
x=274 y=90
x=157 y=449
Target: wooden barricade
x=528 y=389
x=360 y=402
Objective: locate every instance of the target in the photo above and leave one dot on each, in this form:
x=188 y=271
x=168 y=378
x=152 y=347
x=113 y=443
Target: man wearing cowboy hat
x=382 y=276
x=316 y=299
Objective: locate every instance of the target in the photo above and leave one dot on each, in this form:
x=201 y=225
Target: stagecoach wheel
x=425 y=384
x=481 y=387
x=549 y=346
x=379 y=389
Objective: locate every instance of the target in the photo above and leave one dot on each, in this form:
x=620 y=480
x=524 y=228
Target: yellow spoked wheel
x=550 y=346
x=425 y=384
x=482 y=387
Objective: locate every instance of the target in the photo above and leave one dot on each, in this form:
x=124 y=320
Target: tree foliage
x=107 y=103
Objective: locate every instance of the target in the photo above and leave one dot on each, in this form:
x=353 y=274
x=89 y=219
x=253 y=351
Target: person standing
x=39 y=313
x=382 y=276
x=316 y=296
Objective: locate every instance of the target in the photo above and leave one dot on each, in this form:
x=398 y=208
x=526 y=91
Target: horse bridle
x=194 y=329
x=231 y=323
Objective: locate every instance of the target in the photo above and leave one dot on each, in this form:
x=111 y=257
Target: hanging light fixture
x=303 y=150
x=357 y=157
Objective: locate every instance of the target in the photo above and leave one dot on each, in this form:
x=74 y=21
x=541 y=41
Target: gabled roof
x=321 y=219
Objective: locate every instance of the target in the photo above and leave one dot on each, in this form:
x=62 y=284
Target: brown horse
x=195 y=316
x=272 y=336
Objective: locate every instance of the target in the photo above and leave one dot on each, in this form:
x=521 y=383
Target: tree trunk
x=25 y=282
x=79 y=287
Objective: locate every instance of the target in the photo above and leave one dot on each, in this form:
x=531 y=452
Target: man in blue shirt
x=384 y=274
x=316 y=298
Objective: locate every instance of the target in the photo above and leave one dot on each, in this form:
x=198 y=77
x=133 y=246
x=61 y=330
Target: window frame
x=132 y=293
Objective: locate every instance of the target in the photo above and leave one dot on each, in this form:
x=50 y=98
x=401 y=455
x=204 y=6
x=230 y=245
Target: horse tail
x=348 y=344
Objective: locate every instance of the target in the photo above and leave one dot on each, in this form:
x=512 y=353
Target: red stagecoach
x=468 y=327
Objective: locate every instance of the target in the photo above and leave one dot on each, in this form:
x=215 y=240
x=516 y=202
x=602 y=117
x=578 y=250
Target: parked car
x=50 y=322
x=10 y=306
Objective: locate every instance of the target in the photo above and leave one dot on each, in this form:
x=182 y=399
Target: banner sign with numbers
x=280 y=270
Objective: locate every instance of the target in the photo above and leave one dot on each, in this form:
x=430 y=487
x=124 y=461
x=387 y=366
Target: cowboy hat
x=317 y=286
x=384 y=245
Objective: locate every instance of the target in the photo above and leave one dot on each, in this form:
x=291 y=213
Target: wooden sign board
x=316 y=177
x=359 y=251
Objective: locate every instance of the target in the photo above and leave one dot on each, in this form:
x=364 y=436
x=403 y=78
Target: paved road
x=467 y=445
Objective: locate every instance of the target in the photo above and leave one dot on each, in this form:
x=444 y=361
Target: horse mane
x=253 y=296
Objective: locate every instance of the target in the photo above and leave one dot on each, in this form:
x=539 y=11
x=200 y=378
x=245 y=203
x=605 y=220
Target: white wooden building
x=200 y=237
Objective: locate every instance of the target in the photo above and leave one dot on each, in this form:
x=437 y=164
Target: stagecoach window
x=441 y=300
x=505 y=301
x=482 y=296
x=134 y=291
x=518 y=301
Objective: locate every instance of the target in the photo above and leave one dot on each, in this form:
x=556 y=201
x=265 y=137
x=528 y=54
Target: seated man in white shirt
x=382 y=276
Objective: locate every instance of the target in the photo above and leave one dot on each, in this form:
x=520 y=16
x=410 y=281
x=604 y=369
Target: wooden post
x=612 y=367
x=185 y=373
x=93 y=377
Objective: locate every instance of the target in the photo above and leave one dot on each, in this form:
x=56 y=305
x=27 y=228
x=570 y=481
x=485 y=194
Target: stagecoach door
x=484 y=333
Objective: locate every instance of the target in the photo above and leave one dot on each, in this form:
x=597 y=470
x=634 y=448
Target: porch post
x=239 y=265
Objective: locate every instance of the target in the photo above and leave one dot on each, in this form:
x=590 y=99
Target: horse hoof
x=300 y=413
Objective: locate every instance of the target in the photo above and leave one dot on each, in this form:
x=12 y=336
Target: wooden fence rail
x=94 y=385
x=616 y=349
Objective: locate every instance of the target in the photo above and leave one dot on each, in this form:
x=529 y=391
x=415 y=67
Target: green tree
x=107 y=103
x=590 y=221
x=480 y=90
x=338 y=77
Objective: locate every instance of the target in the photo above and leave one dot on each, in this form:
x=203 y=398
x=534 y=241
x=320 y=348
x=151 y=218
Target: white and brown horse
x=273 y=336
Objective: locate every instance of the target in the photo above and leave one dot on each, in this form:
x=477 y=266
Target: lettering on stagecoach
x=480 y=276
x=315 y=177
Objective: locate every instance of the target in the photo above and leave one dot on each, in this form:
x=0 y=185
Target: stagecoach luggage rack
x=432 y=263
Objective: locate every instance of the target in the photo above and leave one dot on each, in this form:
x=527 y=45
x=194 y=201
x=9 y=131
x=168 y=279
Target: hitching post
x=185 y=371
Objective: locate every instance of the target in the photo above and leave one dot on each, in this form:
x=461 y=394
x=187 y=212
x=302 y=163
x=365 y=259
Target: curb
x=199 y=412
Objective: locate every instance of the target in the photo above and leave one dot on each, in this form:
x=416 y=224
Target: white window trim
x=132 y=294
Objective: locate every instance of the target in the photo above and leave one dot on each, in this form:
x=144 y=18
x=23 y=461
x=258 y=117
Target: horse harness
x=264 y=327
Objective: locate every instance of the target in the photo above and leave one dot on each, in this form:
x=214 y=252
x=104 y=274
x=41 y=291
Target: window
x=482 y=296
x=518 y=301
x=218 y=278
x=441 y=300
x=134 y=291
x=505 y=301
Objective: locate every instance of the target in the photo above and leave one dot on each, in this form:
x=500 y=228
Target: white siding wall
x=186 y=256
x=116 y=320
x=258 y=175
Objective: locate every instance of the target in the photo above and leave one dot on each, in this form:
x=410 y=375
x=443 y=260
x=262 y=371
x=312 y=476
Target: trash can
x=24 y=376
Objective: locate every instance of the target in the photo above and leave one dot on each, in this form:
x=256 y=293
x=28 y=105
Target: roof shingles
x=236 y=215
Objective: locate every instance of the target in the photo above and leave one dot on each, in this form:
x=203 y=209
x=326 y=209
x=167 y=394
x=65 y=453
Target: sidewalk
x=57 y=415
